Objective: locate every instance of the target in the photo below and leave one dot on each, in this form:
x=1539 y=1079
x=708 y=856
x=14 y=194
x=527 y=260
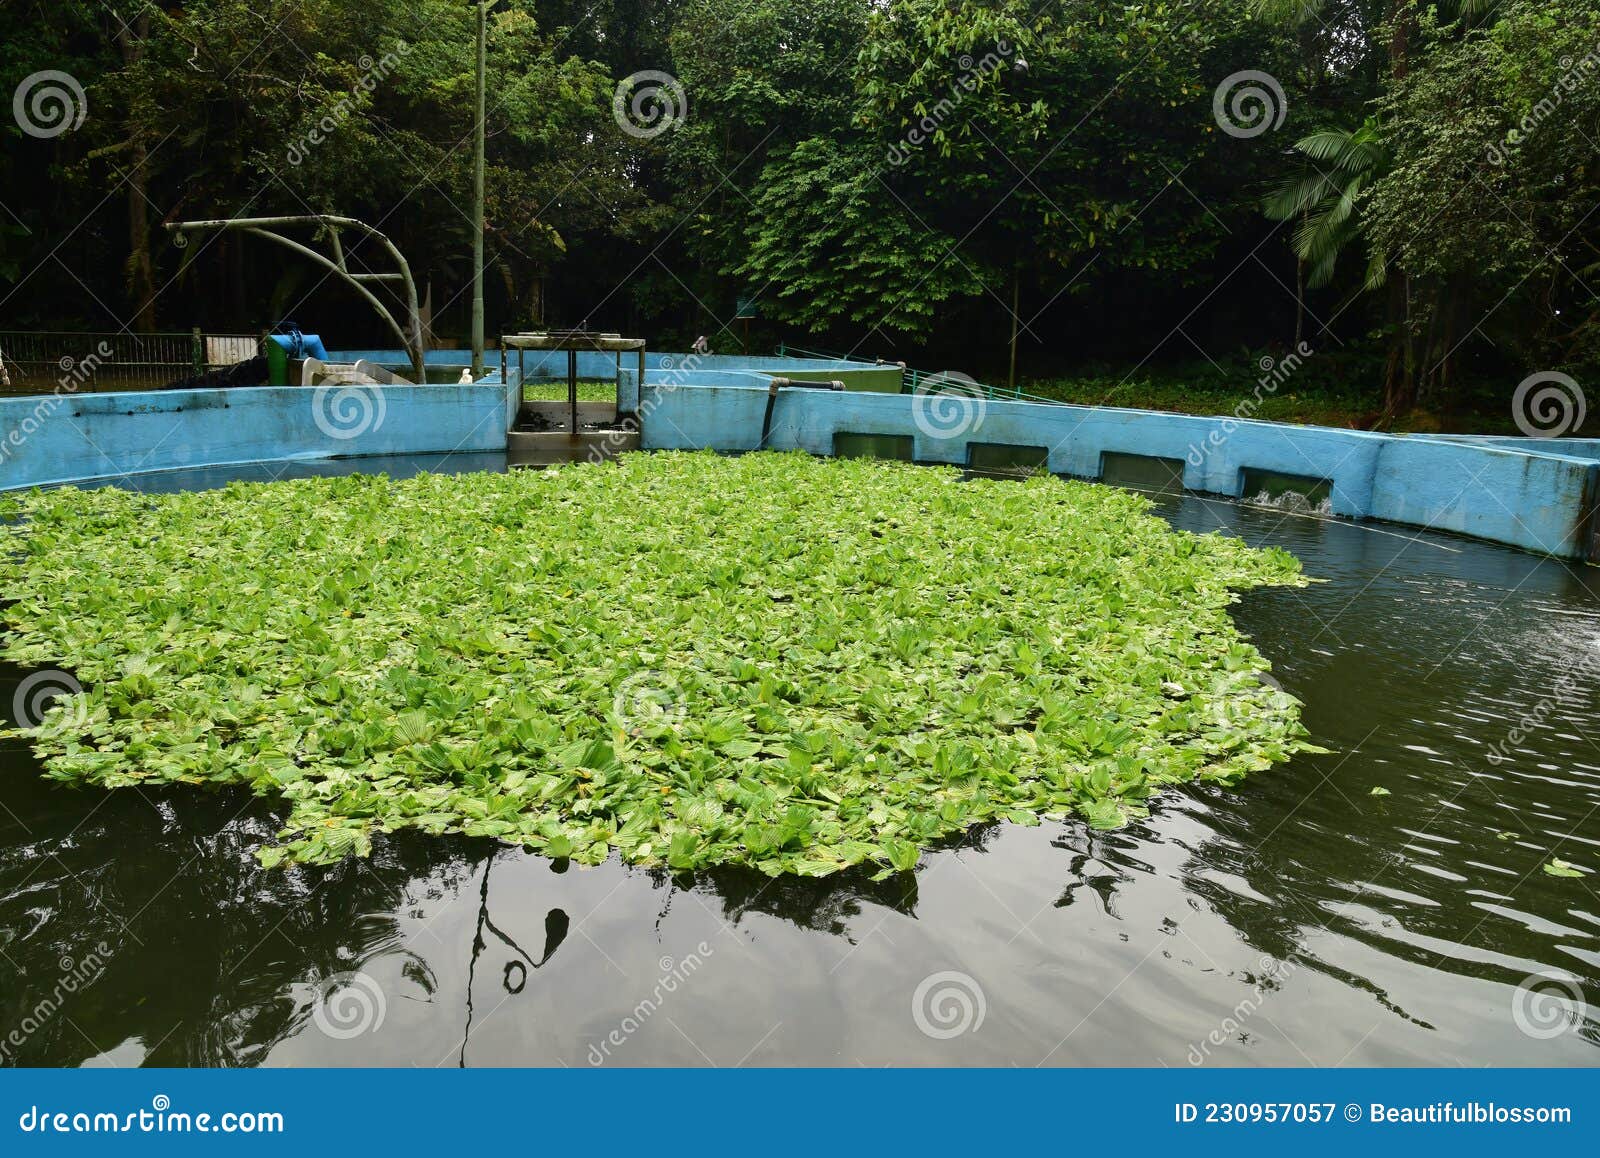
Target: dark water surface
x=1297 y=919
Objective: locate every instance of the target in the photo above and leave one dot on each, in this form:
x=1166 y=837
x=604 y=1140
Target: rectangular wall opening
x=899 y=447
x=1006 y=460
x=1142 y=472
x=1271 y=488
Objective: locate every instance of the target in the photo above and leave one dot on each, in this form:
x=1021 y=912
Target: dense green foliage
x=794 y=663
x=911 y=179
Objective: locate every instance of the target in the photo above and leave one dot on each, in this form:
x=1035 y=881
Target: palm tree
x=1341 y=164
x=1324 y=198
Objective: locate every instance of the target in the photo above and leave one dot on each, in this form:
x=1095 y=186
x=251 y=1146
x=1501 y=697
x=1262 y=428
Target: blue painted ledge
x=1524 y=496
x=1540 y=495
x=62 y=438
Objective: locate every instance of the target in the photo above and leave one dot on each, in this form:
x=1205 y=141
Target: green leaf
x=1557 y=867
x=848 y=692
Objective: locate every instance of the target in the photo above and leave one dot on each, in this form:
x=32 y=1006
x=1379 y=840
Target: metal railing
x=945 y=382
x=41 y=361
x=921 y=381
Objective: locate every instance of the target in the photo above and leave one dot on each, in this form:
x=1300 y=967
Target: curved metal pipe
x=412 y=342
x=322 y=260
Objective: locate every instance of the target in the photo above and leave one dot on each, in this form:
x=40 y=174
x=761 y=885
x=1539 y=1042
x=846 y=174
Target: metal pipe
x=799 y=384
x=772 y=400
x=572 y=390
x=413 y=344
x=322 y=260
x=477 y=195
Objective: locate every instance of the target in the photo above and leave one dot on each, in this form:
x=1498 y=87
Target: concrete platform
x=549 y=417
x=527 y=448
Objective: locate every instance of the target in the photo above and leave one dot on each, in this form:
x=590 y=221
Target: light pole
x=477 y=194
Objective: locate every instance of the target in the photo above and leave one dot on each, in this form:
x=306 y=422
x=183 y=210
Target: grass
x=1336 y=389
x=1182 y=396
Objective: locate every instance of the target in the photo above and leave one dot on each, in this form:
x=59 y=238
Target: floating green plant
x=774 y=660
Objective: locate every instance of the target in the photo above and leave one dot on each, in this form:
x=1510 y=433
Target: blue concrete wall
x=1541 y=502
x=1570 y=447
x=60 y=438
x=1522 y=492
x=1536 y=501
x=1215 y=451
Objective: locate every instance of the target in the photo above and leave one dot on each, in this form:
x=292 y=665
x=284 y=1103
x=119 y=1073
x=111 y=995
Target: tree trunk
x=1402 y=19
x=425 y=312
x=141 y=267
x=1016 y=296
x=1399 y=375
x=1299 y=302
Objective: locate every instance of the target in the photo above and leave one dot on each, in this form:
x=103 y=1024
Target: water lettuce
x=798 y=664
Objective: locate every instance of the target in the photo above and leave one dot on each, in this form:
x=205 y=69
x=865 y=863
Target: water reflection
x=514 y=970
x=1299 y=918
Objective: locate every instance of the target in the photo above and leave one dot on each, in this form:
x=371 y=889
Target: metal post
x=1016 y=290
x=572 y=390
x=477 y=196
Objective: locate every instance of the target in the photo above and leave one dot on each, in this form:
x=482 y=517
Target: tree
x=1489 y=201
x=1018 y=149
x=1324 y=199
x=828 y=244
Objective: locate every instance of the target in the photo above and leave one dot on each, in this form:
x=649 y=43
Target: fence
x=943 y=382
x=39 y=362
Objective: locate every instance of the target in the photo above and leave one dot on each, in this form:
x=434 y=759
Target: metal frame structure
x=410 y=334
x=572 y=341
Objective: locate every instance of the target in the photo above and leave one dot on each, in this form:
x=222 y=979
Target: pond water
x=1297 y=919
